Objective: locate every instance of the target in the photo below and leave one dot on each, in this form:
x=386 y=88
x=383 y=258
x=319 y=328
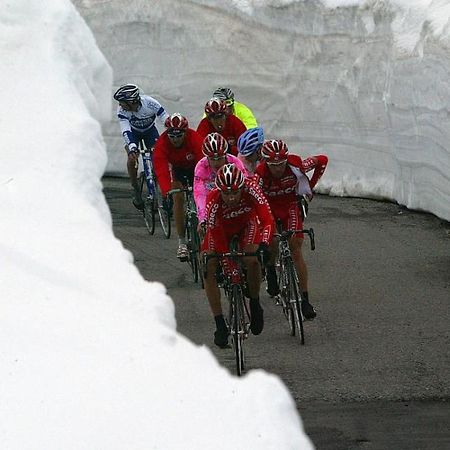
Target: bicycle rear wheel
x=149 y=205
x=295 y=300
x=164 y=213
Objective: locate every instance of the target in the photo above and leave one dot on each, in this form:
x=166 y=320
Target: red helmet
x=176 y=120
x=215 y=106
x=214 y=146
x=229 y=178
x=274 y=151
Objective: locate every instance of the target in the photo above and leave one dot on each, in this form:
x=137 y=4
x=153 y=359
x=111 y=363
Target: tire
x=296 y=302
x=163 y=214
x=283 y=283
x=237 y=331
x=149 y=205
x=193 y=249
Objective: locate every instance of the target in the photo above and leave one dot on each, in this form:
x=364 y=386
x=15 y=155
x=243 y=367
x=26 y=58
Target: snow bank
x=89 y=355
x=365 y=82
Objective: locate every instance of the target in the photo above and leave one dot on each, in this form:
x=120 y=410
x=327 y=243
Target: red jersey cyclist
x=218 y=120
x=236 y=207
x=177 y=151
x=283 y=180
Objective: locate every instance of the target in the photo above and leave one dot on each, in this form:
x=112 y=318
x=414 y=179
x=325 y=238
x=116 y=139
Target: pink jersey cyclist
x=215 y=150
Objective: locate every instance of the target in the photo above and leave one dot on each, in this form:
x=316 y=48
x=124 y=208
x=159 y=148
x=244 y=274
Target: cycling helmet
x=215 y=146
x=215 y=106
x=229 y=178
x=127 y=93
x=177 y=121
x=225 y=94
x=274 y=151
x=250 y=141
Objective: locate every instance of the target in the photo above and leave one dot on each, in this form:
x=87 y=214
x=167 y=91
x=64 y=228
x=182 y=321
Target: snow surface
x=365 y=82
x=89 y=355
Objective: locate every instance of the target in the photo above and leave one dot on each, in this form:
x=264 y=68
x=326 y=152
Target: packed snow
x=89 y=354
x=365 y=82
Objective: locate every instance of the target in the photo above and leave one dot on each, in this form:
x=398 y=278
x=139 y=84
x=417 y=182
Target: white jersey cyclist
x=140 y=125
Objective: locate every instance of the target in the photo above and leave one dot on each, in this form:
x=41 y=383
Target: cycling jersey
x=282 y=193
x=184 y=157
x=135 y=124
x=204 y=181
x=231 y=131
x=251 y=219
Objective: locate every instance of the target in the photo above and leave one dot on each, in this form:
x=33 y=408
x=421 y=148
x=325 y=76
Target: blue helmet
x=250 y=141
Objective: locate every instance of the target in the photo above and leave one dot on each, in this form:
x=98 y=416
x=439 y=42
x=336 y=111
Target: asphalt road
x=375 y=370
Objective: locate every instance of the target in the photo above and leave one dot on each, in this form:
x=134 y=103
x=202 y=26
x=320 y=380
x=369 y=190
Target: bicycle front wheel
x=237 y=327
x=295 y=301
x=283 y=283
x=164 y=214
x=192 y=244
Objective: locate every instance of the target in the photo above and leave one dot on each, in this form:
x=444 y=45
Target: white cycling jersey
x=142 y=120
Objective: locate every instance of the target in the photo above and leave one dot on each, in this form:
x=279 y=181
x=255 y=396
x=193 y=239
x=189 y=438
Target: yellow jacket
x=245 y=114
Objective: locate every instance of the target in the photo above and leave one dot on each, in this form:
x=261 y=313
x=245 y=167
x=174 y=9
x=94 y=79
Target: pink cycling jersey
x=204 y=181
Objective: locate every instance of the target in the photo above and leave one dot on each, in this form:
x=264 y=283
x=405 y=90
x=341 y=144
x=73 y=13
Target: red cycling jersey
x=251 y=219
x=184 y=157
x=233 y=128
x=282 y=193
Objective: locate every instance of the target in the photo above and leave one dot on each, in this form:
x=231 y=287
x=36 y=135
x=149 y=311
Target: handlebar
x=286 y=234
x=178 y=190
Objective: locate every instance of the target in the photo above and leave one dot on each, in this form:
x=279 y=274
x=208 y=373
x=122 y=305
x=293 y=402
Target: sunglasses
x=217 y=116
x=276 y=163
x=175 y=133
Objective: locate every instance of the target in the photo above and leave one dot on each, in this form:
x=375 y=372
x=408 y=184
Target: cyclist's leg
x=250 y=238
x=150 y=137
x=213 y=295
x=132 y=169
x=295 y=244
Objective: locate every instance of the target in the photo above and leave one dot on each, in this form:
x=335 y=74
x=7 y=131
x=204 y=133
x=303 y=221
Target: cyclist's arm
x=319 y=164
x=267 y=223
x=200 y=190
x=216 y=236
x=128 y=136
x=161 y=165
x=162 y=115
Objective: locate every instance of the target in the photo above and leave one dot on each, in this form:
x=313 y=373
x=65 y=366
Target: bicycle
x=153 y=200
x=234 y=287
x=290 y=296
x=192 y=236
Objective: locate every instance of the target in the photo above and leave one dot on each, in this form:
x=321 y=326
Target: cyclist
x=218 y=120
x=236 y=207
x=215 y=149
x=240 y=110
x=177 y=151
x=283 y=180
x=137 y=114
x=249 y=148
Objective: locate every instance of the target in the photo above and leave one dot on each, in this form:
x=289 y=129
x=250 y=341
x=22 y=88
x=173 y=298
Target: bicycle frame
x=147 y=162
x=238 y=316
x=191 y=222
x=288 y=281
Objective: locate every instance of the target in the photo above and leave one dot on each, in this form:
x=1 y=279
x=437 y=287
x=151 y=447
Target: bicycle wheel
x=237 y=331
x=163 y=213
x=283 y=283
x=295 y=301
x=192 y=247
x=149 y=205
